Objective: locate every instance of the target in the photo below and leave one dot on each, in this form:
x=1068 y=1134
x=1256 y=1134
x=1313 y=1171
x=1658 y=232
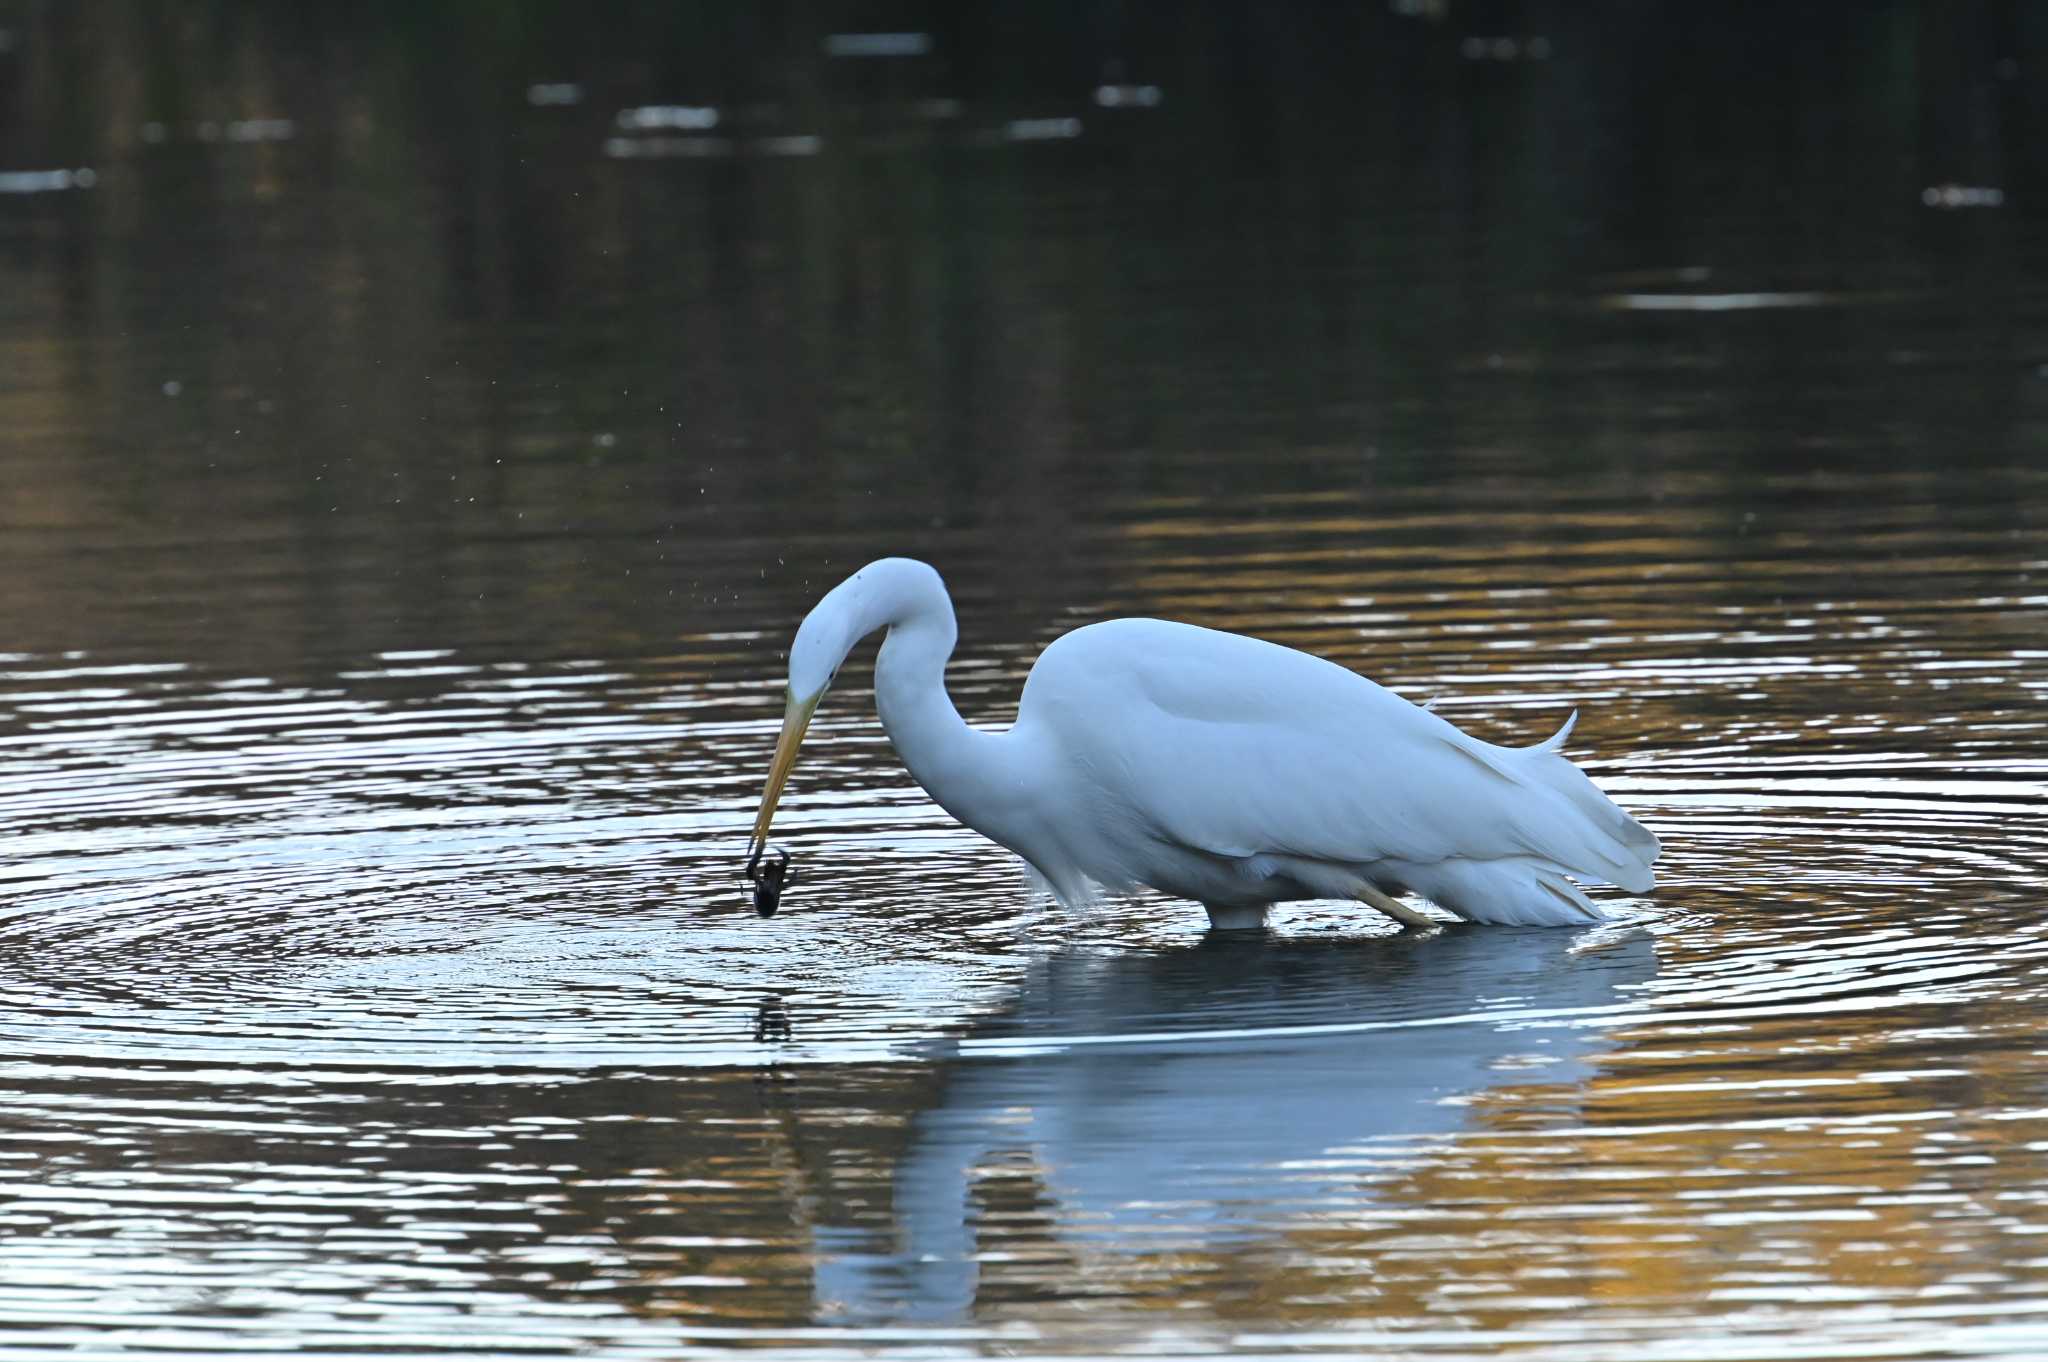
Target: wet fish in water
x=768 y=880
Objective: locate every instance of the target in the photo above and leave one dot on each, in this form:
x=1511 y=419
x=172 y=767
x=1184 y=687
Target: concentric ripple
x=419 y=441
x=340 y=1009
x=250 y=875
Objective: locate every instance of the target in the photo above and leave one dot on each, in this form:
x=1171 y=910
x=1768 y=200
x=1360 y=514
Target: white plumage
x=1220 y=768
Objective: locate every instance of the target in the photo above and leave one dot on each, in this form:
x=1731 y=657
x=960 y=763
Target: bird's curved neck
x=945 y=754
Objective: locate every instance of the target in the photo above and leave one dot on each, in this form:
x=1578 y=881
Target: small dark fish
x=768 y=880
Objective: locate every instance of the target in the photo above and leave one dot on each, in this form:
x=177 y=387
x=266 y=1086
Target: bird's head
x=864 y=602
x=823 y=640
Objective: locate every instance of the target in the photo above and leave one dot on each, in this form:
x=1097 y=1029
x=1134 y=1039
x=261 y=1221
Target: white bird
x=1219 y=768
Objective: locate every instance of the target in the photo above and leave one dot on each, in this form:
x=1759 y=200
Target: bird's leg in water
x=1243 y=918
x=1394 y=908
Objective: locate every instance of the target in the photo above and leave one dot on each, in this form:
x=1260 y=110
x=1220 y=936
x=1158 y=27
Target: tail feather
x=1555 y=742
x=1520 y=892
x=1561 y=825
x=1579 y=827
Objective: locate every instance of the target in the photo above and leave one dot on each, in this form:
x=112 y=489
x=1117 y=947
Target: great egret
x=1218 y=768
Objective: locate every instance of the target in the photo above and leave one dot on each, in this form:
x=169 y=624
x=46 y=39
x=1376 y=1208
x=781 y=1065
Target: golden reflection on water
x=1795 y=1094
x=403 y=524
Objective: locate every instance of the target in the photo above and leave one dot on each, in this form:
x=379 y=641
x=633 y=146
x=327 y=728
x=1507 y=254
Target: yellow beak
x=796 y=717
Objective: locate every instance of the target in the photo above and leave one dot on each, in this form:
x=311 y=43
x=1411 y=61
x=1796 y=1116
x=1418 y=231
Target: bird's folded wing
x=1237 y=748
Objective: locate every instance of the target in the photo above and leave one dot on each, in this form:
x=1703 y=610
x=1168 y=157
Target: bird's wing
x=1237 y=747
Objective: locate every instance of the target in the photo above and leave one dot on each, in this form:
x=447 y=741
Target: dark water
x=413 y=462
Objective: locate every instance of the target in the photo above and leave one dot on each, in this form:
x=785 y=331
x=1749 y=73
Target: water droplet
x=680 y=117
x=1041 y=129
x=1128 y=96
x=554 y=94
x=878 y=44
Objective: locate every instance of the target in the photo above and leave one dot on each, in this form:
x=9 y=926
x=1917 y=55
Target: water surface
x=409 y=494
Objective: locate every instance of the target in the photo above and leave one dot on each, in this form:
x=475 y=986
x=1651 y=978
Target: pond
x=421 y=434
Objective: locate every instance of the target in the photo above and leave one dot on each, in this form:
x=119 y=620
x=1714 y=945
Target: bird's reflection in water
x=1187 y=1099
